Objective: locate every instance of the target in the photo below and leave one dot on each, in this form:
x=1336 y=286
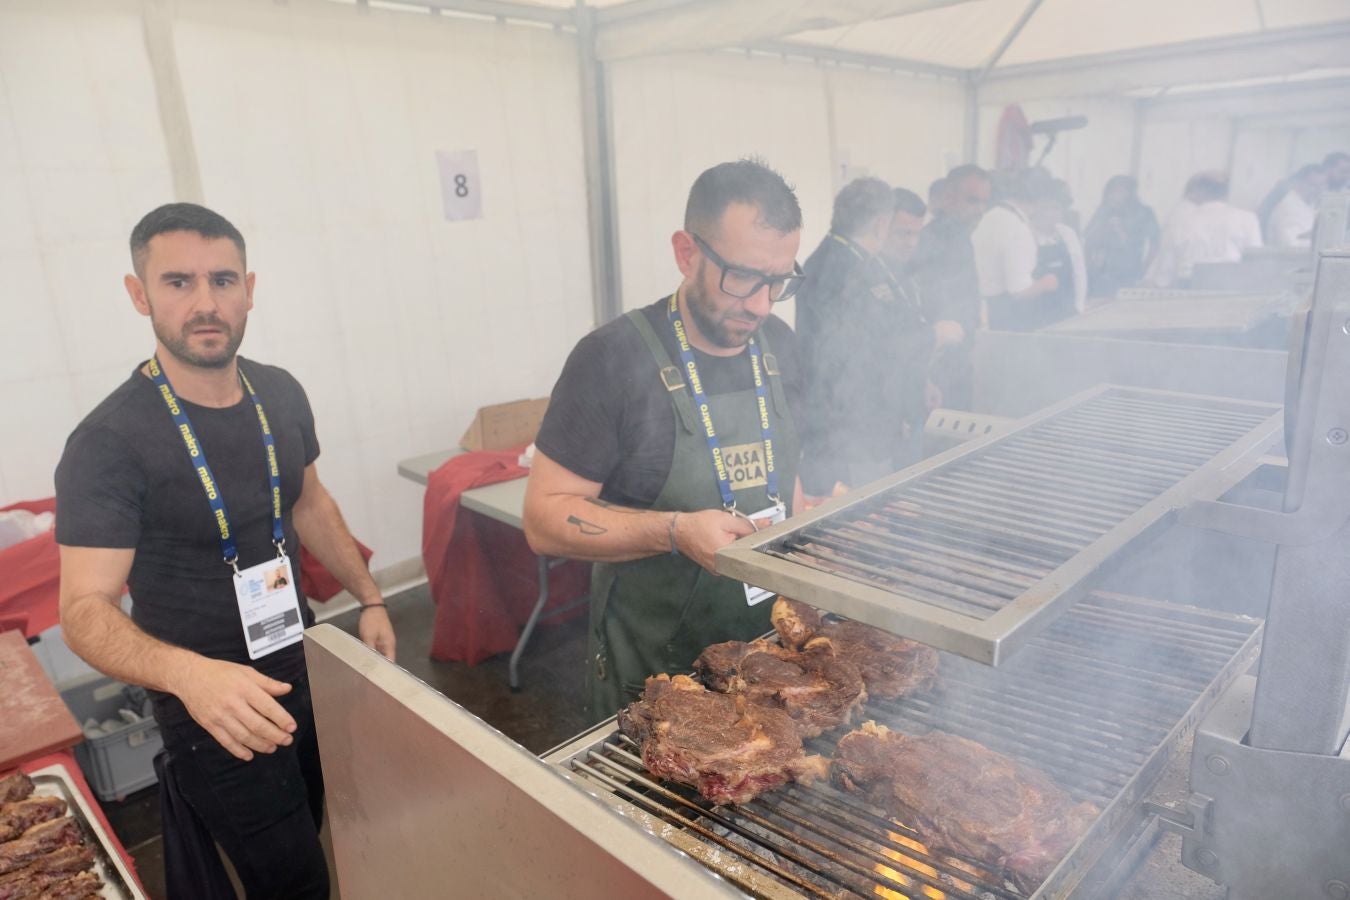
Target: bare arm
x=565 y=517
x=233 y=703
x=324 y=533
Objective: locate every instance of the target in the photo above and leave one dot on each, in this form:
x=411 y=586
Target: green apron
x=657 y=614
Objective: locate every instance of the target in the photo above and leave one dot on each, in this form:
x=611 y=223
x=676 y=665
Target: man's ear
x=136 y=290
x=686 y=253
x=249 y=280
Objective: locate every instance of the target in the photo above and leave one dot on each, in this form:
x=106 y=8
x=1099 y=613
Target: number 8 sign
x=461 y=188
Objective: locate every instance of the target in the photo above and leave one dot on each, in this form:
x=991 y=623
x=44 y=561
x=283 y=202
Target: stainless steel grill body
x=978 y=549
x=1100 y=701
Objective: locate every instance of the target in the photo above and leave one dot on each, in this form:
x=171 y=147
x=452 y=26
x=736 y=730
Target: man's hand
x=699 y=535
x=1046 y=284
x=932 y=396
x=947 y=333
x=376 y=631
x=235 y=705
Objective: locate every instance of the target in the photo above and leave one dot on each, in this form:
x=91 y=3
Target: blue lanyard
x=209 y=484
x=701 y=401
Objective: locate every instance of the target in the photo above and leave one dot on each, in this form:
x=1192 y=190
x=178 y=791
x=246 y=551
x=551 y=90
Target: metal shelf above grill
x=977 y=550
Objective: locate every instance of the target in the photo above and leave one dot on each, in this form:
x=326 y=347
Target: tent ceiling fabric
x=964 y=35
x=705 y=25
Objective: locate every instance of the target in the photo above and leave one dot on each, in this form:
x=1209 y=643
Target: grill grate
x=964 y=551
x=1099 y=701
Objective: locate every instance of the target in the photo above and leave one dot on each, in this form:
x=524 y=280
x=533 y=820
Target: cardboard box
x=505 y=425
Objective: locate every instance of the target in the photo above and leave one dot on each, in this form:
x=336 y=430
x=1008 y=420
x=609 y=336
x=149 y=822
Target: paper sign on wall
x=461 y=188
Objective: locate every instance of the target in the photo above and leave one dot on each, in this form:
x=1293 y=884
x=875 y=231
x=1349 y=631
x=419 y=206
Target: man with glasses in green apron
x=670 y=435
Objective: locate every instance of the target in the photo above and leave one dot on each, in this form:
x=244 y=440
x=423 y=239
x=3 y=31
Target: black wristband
x=366 y=606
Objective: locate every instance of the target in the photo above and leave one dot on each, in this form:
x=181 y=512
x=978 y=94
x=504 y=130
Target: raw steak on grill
x=15 y=787
x=729 y=749
x=891 y=666
x=965 y=798
x=38 y=840
x=819 y=690
x=18 y=817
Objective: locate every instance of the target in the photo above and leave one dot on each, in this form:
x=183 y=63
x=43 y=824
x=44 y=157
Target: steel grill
x=964 y=551
x=1100 y=701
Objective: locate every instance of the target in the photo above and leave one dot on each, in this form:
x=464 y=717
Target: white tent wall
x=315 y=129
x=819 y=125
x=81 y=157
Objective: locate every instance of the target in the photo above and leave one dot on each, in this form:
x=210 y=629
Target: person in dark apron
x=668 y=431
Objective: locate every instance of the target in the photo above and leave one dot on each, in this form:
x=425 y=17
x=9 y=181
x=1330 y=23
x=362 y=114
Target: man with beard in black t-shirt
x=667 y=429
x=194 y=483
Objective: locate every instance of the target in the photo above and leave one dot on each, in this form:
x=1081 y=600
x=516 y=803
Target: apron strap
x=671 y=376
x=780 y=404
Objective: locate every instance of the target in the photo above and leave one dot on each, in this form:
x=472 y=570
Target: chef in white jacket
x=1291 y=222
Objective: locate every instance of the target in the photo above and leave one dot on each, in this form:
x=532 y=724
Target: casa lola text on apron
x=269 y=607
x=656 y=614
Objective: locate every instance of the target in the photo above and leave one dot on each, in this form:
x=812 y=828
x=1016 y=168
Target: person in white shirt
x=1213 y=231
x=1293 y=218
x=1007 y=255
x=1060 y=252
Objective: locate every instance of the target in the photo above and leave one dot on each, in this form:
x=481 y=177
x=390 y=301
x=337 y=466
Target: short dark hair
x=1025 y=185
x=910 y=202
x=182 y=217
x=861 y=201
x=968 y=170
x=1336 y=157
x=1208 y=186
x=937 y=189
x=748 y=181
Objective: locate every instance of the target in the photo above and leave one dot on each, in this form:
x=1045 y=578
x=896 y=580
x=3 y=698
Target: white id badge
x=268 y=607
x=770 y=515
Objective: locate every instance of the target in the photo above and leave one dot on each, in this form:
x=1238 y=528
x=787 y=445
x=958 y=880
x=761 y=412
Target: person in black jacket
x=944 y=269
x=850 y=324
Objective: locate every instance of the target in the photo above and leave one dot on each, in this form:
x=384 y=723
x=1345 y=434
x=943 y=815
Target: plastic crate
x=119 y=763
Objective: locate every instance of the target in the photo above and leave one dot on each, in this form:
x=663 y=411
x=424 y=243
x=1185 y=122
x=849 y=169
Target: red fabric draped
x=30 y=577
x=30 y=573
x=483 y=576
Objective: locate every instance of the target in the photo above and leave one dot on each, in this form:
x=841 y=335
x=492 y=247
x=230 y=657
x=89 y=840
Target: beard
x=180 y=348
x=711 y=323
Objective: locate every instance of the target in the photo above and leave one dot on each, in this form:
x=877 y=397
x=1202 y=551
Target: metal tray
x=118 y=882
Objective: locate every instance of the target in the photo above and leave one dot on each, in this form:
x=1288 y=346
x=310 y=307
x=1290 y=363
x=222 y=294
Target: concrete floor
x=546 y=711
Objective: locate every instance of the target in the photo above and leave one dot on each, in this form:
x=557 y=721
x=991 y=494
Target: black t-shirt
x=126 y=481
x=610 y=418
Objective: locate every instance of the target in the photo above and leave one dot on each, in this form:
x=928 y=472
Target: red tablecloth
x=483 y=576
x=67 y=761
x=30 y=578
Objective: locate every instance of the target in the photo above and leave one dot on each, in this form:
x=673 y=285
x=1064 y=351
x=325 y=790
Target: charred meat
x=15 y=787
x=18 y=817
x=816 y=688
x=964 y=798
x=37 y=841
x=891 y=666
x=729 y=749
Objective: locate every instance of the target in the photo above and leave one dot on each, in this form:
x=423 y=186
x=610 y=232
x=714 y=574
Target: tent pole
x=597 y=141
x=157 y=22
x=1008 y=39
x=971 y=150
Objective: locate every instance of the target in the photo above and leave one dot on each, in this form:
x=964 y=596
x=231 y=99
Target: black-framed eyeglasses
x=743 y=283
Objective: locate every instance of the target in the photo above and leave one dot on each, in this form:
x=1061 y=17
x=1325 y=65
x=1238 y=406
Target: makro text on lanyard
x=197 y=453
x=701 y=401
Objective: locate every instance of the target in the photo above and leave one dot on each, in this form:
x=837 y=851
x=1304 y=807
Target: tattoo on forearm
x=589 y=529
x=605 y=504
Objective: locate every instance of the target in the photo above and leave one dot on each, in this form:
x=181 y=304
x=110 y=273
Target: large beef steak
x=727 y=748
